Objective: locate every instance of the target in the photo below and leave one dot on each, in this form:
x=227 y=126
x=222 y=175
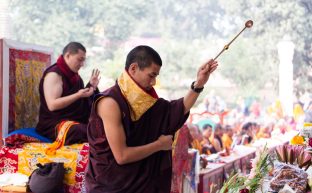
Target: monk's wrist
x=158 y=145
x=196 y=87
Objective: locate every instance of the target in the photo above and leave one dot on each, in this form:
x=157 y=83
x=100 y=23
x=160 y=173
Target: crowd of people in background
x=243 y=126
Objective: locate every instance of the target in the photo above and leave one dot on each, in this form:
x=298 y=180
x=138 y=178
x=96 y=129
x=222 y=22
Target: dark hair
x=218 y=126
x=228 y=128
x=254 y=124
x=206 y=126
x=73 y=48
x=144 y=56
x=246 y=126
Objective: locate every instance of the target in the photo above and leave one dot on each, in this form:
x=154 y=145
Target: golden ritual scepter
x=248 y=24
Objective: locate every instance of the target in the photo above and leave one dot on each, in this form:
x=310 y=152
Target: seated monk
x=64 y=100
x=196 y=136
x=218 y=135
x=265 y=132
x=227 y=139
x=209 y=144
x=246 y=133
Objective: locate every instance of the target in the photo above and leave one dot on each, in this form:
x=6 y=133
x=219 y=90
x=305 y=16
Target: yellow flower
x=297 y=140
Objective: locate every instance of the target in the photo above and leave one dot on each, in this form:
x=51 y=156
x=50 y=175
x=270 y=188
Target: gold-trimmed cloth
x=62 y=129
x=33 y=153
x=139 y=100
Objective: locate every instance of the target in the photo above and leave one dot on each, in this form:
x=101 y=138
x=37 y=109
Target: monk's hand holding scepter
x=206 y=69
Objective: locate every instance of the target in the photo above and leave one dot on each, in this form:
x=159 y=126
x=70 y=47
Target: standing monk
x=130 y=129
x=65 y=103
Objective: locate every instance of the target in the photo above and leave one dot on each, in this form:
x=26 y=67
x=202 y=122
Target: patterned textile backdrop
x=26 y=68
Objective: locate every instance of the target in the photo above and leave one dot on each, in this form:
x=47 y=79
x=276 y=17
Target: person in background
x=209 y=144
x=227 y=137
x=246 y=133
x=265 y=132
x=196 y=135
x=65 y=102
x=218 y=135
x=255 y=129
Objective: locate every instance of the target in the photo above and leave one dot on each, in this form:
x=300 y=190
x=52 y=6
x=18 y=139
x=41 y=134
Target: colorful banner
x=25 y=71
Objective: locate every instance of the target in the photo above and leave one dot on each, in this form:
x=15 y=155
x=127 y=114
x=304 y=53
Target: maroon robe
x=78 y=111
x=152 y=174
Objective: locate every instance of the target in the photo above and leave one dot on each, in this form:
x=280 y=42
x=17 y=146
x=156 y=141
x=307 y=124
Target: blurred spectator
x=280 y=128
x=255 y=128
x=265 y=132
x=227 y=139
x=209 y=144
x=219 y=134
x=298 y=113
x=196 y=135
x=246 y=133
x=255 y=109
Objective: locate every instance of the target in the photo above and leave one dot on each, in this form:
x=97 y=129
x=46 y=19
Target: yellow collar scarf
x=139 y=101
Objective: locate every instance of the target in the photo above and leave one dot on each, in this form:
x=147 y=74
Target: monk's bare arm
x=53 y=89
x=109 y=111
x=202 y=77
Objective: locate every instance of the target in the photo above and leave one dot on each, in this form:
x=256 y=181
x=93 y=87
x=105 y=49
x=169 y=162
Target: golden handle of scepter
x=248 y=24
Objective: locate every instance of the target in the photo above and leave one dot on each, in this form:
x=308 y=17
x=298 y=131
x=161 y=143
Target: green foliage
x=186 y=29
x=51 y=23
x=244 y=66
x=189 y=20
x=56 y=22
x=261 y=166
x=180 y=66
x=272 y=21
x=234 y=184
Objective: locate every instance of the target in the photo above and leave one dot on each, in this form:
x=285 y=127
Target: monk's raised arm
x=197 y=86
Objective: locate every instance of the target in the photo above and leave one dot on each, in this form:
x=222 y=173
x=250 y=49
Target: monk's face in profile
x=145 y=77
x=75 y=60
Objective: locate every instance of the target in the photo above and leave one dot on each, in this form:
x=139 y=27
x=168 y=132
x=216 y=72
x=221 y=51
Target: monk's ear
x=133 y=68
x=66 y=55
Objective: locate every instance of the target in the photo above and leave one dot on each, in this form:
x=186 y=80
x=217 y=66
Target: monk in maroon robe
x=65 y=103
x=130 y=129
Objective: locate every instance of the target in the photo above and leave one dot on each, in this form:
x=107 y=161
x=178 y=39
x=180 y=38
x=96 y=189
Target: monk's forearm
x=133 y=154
x=63 y=102
x=189 y=100
x=196 y=87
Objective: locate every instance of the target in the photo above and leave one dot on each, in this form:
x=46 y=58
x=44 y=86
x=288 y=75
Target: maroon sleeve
x=176 y=115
